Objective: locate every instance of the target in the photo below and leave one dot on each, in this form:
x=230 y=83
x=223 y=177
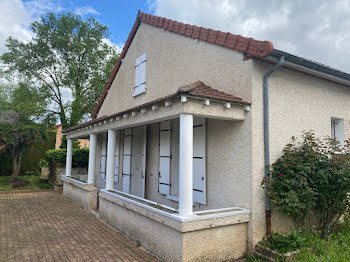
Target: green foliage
x=312 y=178
x=24 y=99
x=31 y=173
x=14 y=135
x=80 y=157
x=294 y=240
x=43 y=163
x=65 y=52
x=33 y=182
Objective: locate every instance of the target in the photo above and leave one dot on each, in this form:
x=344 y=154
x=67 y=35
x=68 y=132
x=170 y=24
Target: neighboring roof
x=238 y=43
x=310 y=64
x=197 y=90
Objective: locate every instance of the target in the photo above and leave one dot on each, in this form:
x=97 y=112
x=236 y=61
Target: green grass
x=33 y=183
x=335 y=248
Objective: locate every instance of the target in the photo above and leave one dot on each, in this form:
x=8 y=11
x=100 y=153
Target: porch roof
x=197 y=90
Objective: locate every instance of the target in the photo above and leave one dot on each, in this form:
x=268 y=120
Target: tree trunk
x=16 y=163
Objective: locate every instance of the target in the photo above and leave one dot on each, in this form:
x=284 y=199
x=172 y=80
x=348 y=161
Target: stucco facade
x=234 y=141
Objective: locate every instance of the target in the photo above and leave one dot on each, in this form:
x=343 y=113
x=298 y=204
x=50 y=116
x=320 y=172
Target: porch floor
x=46 y=226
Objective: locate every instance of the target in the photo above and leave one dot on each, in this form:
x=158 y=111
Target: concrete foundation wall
x=173 y=240
x=85 y=195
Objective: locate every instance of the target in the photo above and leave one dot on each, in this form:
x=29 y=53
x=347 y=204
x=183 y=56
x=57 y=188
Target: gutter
x=267 y=140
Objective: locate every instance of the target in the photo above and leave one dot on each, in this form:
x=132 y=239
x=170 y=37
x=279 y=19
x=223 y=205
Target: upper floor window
x=140 y=75
x=337 y=127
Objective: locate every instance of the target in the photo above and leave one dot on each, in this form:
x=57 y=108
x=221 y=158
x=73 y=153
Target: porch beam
x=185 y=165
x=69 y=157
x=92 y=159
x=110 y=159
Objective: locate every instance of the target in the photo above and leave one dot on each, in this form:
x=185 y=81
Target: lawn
x=335 y=248
x=33 y=183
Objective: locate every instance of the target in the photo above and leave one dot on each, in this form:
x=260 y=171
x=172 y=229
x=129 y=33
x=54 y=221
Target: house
x=184 y=129
x=83 y=143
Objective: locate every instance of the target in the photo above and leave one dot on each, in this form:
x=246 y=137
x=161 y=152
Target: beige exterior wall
x=298 y=102
x=173 y=61
x=215 y=239
x=85 y=195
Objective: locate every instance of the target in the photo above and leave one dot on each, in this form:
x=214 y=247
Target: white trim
x=177 y=217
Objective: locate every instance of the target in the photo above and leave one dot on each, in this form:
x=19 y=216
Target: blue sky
x=315 y=29
x=118 y=15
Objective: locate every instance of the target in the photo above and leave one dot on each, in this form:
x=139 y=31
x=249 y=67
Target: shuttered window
x=140 y=75
x=127 y=160
x=169 y=159
x=199 y=160
x=164 y=157
x=116 y=157
x=103 y=158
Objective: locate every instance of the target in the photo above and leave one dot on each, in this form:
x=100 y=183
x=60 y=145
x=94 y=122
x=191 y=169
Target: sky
x=317 y=30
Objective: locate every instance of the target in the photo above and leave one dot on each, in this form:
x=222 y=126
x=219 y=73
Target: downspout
x=267 y=140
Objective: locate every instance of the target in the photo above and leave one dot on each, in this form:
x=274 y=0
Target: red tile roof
x=238 y=43
x=197 y=89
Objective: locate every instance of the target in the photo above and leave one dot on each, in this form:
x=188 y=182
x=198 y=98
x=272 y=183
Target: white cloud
x=14 y=21
x=16 y=16
x=86 y=10
x=315 y=29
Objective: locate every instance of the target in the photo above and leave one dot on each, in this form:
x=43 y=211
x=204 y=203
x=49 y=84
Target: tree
x=14 y=137
x=66 y=55
x=21 y=107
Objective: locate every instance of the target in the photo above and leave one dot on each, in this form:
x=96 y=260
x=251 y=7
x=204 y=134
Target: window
x=168 y=183
x=337 y=128
x=140 y=75
x=103 y=158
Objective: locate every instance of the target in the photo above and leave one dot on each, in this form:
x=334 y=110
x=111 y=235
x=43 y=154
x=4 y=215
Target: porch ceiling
x=195 y=99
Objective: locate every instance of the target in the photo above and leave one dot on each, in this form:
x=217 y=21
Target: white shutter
x=103 y=156
x=127 y=160
x=140 y=75
x=164 y=157
x=116 y=157
x=199 y=160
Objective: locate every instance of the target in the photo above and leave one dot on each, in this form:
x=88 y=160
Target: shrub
x=312 y=178
x=43 y=163
x=31 y=173
x=294 y=240
x=80 y=156
x=19 y=183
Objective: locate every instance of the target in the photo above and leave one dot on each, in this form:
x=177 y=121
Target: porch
x=155 y=176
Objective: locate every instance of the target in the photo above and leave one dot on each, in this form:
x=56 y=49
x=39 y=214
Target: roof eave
x=309 y=67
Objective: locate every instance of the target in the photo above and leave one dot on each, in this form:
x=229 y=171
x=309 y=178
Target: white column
x=110 y=159
x=185 y=165
x=69 y=157
x=92 y=159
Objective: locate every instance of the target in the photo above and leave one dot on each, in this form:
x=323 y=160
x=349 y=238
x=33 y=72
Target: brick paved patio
x=45 y=226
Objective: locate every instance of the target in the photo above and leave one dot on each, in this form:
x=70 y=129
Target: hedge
x=80 y=156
